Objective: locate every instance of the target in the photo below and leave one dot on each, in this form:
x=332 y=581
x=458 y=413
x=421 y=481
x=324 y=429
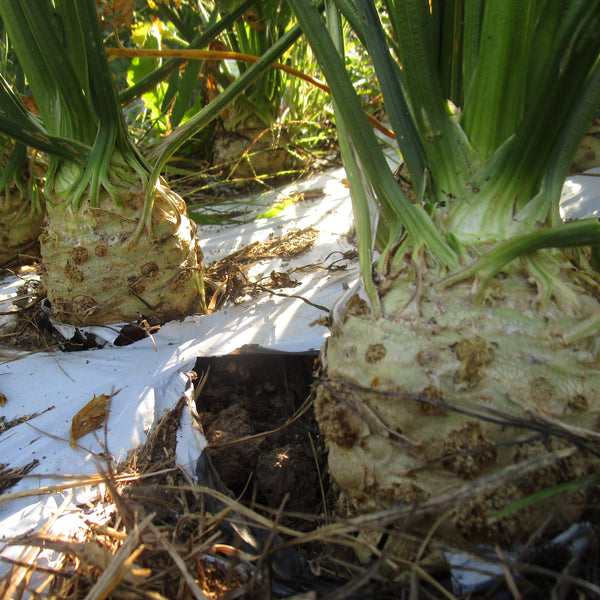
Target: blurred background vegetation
x=277 y=129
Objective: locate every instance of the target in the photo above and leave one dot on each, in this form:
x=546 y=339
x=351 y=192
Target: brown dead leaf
x=2 y=400
x=90 y=417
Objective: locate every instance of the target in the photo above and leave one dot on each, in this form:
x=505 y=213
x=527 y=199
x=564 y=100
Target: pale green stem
x=365 y=214
x=579 y=233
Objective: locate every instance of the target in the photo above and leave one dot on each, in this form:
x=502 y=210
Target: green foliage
x=262 y=24
x=524 y=81
x=140 y=68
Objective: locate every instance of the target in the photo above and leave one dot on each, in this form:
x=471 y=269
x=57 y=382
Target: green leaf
x=514 y=507
x=188 y=89
x=17 y=123
x=202 y=39
x=141 y=68
x=395 y=206
x=172 y=91
x=388 y=73
x=34 y=31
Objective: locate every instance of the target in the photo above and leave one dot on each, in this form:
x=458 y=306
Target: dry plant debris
x=91 y=417
x=227 y=278
x=11 y=476
x=31 y=329
x=292 y=244
x=6 y=425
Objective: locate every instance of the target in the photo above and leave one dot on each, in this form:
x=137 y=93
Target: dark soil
x=265 y=446
x=263 y=439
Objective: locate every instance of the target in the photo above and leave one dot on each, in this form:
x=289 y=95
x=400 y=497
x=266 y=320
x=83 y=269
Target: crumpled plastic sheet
x=581 y=196
x=473 y=575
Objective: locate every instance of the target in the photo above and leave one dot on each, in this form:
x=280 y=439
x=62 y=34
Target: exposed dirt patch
x=263 y=439
x=30 y=328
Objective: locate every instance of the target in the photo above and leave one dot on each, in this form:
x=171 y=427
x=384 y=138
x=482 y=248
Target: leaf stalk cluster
x=489 y=101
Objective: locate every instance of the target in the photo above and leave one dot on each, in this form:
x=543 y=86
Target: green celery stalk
x=363 y=204
x=409 y=142
x=395 y=206
x=495 y=100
